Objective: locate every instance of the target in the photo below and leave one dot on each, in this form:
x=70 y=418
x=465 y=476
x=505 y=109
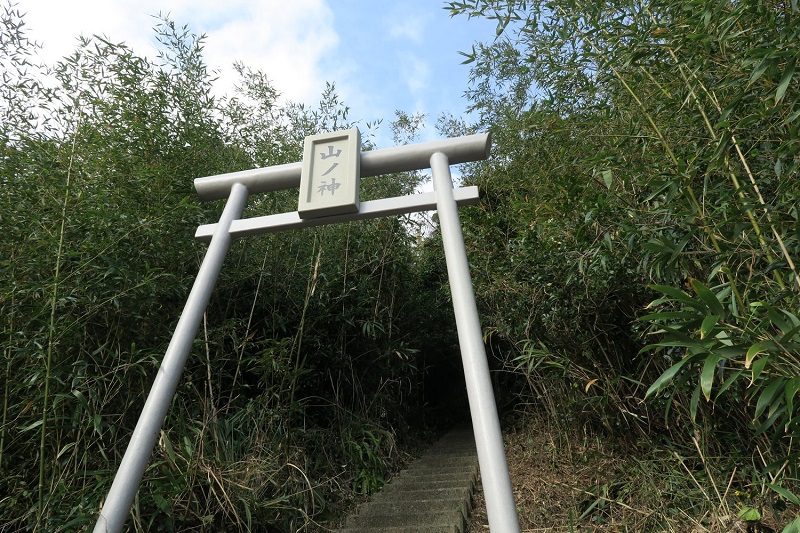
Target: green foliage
x=792 y=527
x=636 y=240
x=365 y=447
x=307 y=373
x=645 y=149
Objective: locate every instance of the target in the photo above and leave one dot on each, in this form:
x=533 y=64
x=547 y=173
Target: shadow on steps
x=432 y=495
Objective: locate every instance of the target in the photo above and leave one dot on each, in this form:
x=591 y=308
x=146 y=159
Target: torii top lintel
x=373 y=163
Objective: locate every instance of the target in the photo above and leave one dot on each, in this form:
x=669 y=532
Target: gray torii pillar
x=236 y=186
x=500 y=508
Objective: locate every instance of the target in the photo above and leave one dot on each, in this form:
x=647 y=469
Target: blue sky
x=382 y=56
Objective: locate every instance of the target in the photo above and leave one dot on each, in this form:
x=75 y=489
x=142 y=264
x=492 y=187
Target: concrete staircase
x=433 y=495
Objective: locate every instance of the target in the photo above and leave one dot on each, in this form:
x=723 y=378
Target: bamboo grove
x=640 y=229
x=635 y=258
x=306 y=372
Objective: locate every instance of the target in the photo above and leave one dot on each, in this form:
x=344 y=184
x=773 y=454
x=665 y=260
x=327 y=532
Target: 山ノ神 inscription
x=329 y=182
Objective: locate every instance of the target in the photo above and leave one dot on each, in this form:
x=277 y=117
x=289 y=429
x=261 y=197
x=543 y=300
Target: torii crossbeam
x=236 y=187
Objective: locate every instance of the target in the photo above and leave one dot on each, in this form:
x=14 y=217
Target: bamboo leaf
x=695 y=346
x=790 y=335
x=681 y=245
x=730 y=352
x=677 y=294
x=770 y=420
x=168 y=447
x=785 y=493
x=665 y=378
x=668 y=315
x=693 y=403
x=708 y=297
x=728 y=382
x=760 y=70
x=656 y=246
x=707 y=374
x=65 y=449
x=758 y=367
x=708 y=325
x=756 y=349
x=791 y=118
x=608 y=178
x=32 y=425
x=785 y=81
x=767 y=396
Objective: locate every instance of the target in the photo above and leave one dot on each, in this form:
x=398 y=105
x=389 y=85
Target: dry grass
x=580 y=482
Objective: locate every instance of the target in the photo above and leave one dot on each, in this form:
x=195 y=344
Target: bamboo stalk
x=51 y=331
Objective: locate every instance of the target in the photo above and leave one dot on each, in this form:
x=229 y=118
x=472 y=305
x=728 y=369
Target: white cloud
x=411 y=28
x=287 y=40
x=56 y=25
x=382 y=56
x=416 y=73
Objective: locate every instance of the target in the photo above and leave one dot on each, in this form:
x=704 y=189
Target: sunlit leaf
x=749 y=514
x=608 y=178
x=757 y=348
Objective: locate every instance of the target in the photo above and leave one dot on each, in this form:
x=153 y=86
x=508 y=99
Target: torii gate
x=316 y=210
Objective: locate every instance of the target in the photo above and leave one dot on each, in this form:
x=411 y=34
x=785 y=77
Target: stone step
x=405 y=519
x=456 y=452
x=454 y=462
x=463 y=493
x=432 y=495
x=439 y=474
x=417 y=506
x=413 y=484
x=452 y=528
